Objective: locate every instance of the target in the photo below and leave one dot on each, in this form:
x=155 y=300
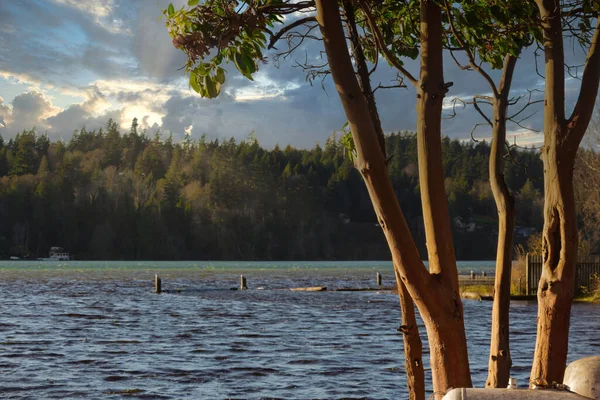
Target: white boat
x=57 y=254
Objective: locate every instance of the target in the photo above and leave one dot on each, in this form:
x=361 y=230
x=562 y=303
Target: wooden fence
x=466 y=280
x=588 y=269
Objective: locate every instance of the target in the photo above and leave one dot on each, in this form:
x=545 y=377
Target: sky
x=68 y=64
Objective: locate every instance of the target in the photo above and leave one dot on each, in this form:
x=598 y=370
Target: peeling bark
x=446 y=332
x=559 y=241
x=413 y=347
x=431 y=90
x=500 y=360
x=556 y=286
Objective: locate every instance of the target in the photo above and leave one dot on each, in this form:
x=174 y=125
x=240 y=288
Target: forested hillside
x=112 y=195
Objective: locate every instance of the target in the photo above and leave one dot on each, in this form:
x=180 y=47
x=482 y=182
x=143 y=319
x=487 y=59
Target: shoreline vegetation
x=476 y=290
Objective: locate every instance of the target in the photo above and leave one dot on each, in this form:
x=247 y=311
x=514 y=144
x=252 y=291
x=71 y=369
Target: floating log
x=471 y=296
x=513 y=297
x=368 y=289
x=157 y=284
x=309 y=289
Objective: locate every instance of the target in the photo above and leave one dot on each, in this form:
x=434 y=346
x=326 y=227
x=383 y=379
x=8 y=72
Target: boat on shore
x=56 y=254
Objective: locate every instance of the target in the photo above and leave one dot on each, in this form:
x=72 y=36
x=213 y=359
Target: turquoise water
x=246 y=266
x=96 y=330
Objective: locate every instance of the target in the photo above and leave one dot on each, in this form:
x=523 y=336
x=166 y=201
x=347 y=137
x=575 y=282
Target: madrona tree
x=562 y=136
x=413 y=347
x=217 y=31
x=502 y=30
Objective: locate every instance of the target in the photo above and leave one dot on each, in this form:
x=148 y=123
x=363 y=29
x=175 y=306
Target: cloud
x=101 y=11
x=31 y=109
x=90 y=113
x=4 y=112
x=152 y=47
x=263 y=87
x=27 y=110
x=82 y=56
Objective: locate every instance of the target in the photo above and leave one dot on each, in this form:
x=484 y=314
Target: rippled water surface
x=97 y=331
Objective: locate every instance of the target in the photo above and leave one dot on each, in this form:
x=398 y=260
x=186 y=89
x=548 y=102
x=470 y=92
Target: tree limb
x=480 y=111
x=287 y=8
x=469 y=53
x=381 y=45
x=287 y=28
x=584 y=108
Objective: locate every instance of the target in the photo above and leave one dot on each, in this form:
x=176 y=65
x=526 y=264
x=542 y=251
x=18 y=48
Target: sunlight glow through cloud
x=262 y=88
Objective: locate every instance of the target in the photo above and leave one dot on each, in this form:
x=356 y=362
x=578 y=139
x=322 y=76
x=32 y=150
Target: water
x=95 y=330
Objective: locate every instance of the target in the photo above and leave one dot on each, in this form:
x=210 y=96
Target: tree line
x=105 y=194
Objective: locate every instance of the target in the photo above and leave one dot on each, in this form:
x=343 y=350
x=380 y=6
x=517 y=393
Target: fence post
x=527 y=273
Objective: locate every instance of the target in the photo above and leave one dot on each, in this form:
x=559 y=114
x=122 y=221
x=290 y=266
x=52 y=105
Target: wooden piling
x=243 y=283
x=472 y=275
x=378 y=279
x=157 y=284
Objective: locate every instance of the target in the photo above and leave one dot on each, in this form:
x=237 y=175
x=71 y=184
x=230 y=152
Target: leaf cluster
x=218 y=31
x=491 y=29
x=398 y=23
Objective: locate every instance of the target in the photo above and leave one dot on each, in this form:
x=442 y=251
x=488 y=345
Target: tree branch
x=381 y=44
x=286 y=8
x=584 y=108
x=287 y=28
x=469 y=53
x=480 y=111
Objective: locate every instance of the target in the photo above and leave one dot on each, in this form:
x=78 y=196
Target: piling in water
x=157 y=284
x=378 y=279
x=243 y=283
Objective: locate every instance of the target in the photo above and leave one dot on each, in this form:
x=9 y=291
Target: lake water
x=96 y=330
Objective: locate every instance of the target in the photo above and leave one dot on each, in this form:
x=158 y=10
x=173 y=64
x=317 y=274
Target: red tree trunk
x=436 y=295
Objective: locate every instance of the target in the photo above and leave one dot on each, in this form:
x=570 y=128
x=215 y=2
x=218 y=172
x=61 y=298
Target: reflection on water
x=96 y=330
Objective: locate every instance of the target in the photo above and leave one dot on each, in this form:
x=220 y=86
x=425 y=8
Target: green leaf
x=193 y=3
x=244 y=64
x=203 y=68
x=171 y=9
x=194 y=82
x=220 y=76
x=212 y=88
